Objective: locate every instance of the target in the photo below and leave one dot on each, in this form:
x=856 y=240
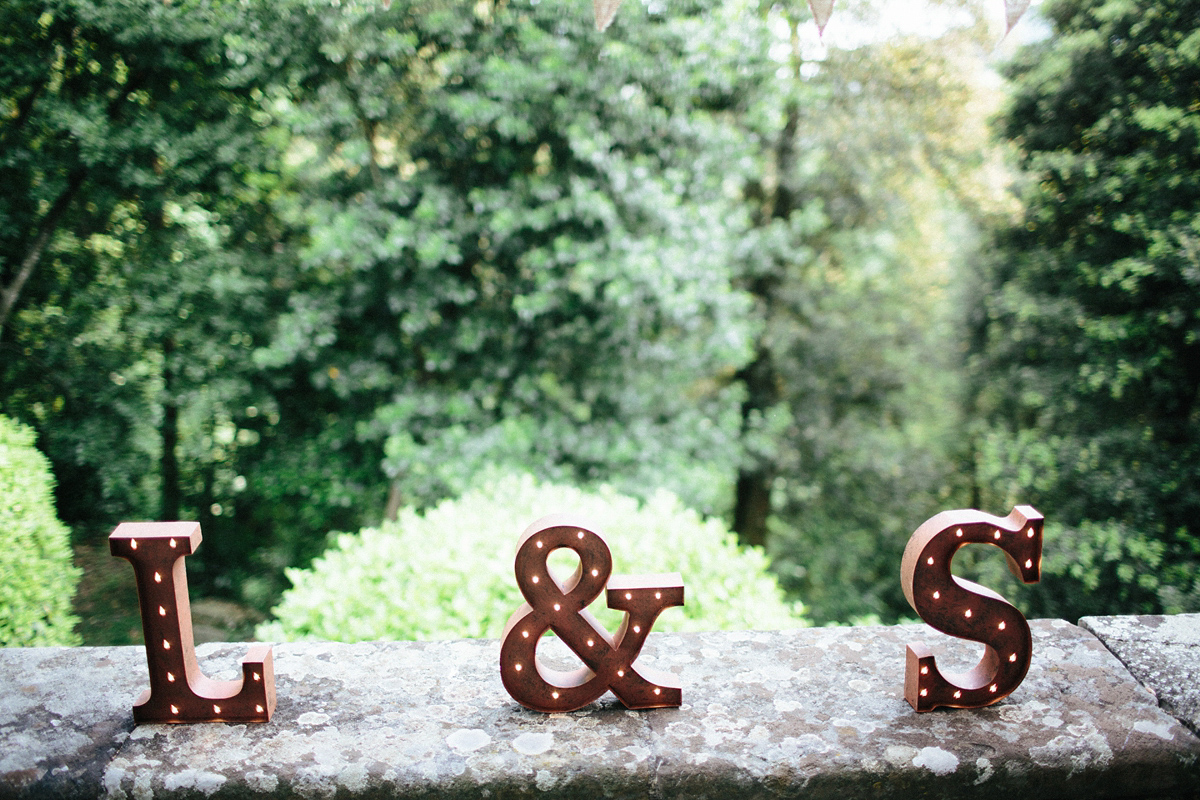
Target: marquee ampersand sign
x=179 y=691
x=609 y=661
x=967 y=610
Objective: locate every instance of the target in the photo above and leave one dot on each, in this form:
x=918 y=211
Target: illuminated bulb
x=924 y=670
x=957 y=695
x=595 y=573
x=657 y=691
x=157 y=578
x=133 y=544
x=996 y=534
x=992 y=688
x=257 y=677
x=924 y=692
x=216 y=709
x=958 y=532
x=937 y=595
x=1029 y=533
x=557 y=607
x=658 y=595
x=174 y=710
x=591 y=642
x=517 y=667
x=172 y=543
x=628 y=596
x=1000 y=626
x=1013 y=657
x=535 y=578
x=620 y=673
x=259 y=709
x=170 y=677
x=525 y=634
x=929 y=561
x=162 y=612
x=967 y=613
x=1029 y=563
x=637 y=628
x=554 y=695
x=580 y=534
x=539 y=544
x=166 y=645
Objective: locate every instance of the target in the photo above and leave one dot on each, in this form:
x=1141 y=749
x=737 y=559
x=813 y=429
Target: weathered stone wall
x=815 y=713
x=1161 y=652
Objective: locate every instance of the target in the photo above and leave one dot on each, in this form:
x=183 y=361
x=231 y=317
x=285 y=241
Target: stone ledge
x=1161 y=652
x=814 y=713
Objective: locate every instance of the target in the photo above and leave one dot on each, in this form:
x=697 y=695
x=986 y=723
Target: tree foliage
x=37 y=579
x=319 y=262
x=289 y=267
x=1087 y=353
x=447 y=572
x=134 y=160
x=869 y=191
x=514 y=258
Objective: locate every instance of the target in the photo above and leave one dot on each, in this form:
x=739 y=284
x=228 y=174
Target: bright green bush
x=449 y=573
x=37 y=579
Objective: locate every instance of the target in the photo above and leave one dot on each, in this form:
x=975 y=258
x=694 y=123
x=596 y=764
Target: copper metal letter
x=179 y=691
x=609 y=660
x=967 y=610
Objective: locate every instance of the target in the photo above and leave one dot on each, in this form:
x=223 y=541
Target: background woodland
x=299 y=267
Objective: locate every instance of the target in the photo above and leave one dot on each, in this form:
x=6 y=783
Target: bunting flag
x=605 y=11
x=822 y=9
x=1013 y=9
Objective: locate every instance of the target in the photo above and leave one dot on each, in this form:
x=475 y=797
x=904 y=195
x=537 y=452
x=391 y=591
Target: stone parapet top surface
x=811 y=713
x=1161 y=652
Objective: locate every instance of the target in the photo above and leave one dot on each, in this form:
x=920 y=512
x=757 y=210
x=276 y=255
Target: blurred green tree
x=37 y=579
x=1087 y=354
x=271 y=259
x=517 y=238
x=140 y=252
x=869 y=190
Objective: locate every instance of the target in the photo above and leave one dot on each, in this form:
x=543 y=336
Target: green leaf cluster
x=447 y=572
x=516 y=252
x=37 y=578
x=1087 y=353
x=159 y=266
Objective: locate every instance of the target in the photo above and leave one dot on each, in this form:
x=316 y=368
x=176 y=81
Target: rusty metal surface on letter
x=179 y=691
x=967 y=610
x=609 y=660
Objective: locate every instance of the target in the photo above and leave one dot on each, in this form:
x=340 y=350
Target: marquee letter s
x=967 y=610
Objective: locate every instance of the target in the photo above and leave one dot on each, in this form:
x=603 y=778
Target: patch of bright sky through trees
x=853 y=27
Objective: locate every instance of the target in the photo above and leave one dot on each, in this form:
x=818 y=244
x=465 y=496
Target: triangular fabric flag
x=1013 y=9
x=821 y=9
x=605 y=11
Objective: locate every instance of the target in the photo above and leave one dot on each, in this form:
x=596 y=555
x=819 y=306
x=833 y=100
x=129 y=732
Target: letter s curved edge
x=967 y=610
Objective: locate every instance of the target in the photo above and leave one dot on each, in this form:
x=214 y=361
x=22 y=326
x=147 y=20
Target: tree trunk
x=394 y=502
x=753 y=499
x=752 y=506
x=49 y=223
x=8 y=298
x=169 y=465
